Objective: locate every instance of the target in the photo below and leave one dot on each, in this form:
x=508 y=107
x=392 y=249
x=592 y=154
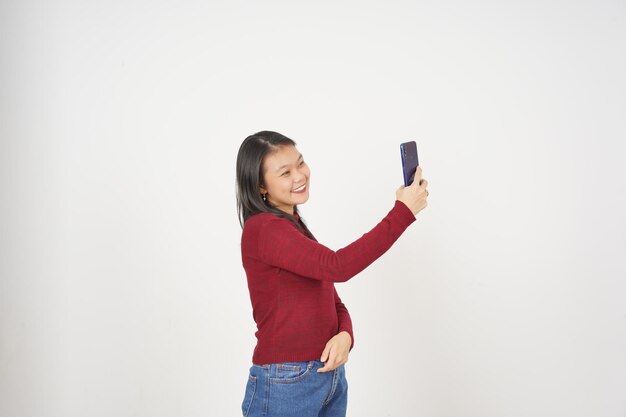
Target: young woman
x=304 y=331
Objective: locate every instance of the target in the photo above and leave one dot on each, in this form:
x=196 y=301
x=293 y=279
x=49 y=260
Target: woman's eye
x=301 y=163
x=285 y=173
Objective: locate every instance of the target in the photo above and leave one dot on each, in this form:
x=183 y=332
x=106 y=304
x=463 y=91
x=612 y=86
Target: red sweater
x=291 y=281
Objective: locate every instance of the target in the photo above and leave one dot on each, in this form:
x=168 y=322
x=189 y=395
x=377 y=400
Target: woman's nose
x=299 y=177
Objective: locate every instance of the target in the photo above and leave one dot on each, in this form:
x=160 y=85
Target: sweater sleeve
x=281 y=244
x=345 y=322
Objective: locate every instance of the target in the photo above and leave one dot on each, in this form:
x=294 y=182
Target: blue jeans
x=295 y=389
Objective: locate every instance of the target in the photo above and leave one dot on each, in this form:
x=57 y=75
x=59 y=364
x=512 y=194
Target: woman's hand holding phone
x=414 y=196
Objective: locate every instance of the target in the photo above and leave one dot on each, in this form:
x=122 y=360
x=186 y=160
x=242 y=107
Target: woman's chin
x=301 y=199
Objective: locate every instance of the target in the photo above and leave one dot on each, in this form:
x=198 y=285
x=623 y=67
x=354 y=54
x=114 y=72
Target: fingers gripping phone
x=408 y=152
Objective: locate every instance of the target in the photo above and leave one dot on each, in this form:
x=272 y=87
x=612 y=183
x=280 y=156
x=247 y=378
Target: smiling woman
x=286 y=179
x=304 y=331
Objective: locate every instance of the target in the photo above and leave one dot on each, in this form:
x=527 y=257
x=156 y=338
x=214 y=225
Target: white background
x=122 y=291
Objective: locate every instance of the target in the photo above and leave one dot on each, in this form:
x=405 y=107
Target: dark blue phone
x=408 y=152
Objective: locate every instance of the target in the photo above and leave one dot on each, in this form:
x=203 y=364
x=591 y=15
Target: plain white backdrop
x=122 y=291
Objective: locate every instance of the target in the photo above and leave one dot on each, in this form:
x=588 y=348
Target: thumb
x=325 y=353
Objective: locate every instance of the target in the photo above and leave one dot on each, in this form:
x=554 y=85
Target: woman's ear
x=262 y=190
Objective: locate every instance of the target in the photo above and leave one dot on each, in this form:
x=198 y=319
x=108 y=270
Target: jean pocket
x=249 y=395
x=290 y=372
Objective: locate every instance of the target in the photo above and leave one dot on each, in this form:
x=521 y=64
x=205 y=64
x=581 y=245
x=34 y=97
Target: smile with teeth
x=299 y=189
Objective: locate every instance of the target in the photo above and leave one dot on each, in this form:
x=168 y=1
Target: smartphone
x=408 y=152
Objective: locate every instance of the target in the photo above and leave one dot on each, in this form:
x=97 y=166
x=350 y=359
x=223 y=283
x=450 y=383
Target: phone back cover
x=410 y=162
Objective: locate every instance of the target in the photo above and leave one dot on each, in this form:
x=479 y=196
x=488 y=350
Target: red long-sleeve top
x=291 y=282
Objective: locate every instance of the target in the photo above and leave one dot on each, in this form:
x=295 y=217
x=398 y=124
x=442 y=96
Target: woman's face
x=286 y=178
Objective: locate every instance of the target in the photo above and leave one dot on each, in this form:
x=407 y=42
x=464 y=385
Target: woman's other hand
x=415 y=195
x=336 y=351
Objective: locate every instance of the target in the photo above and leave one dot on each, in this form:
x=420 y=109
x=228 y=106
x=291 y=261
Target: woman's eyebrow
x=286 y=165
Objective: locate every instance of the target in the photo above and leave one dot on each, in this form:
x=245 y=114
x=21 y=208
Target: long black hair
x=250 y=169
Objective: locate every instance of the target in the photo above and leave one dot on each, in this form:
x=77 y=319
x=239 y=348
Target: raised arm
x=282 y=245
